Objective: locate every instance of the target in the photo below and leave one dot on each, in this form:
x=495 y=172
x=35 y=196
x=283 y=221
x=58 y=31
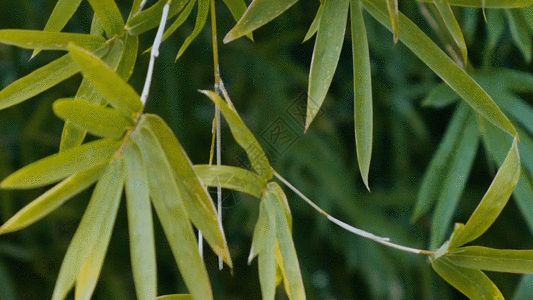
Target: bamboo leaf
x=128 y=58
x=51 y=200
x=234 y=178
x=259 y=13
x=441 y=64
x=496 y=260
x=96 y=224
x=262 y=228
x=243 y=136
x=363 y=114
x=314 y=26
x=110 y=16
x=453 y=27
x=494 y=200
x=392 y=7
x=176 y=297
x=203 y=12
x=520 y=33
x=151 y=17
x=108 y=83
x=488 y=3
x=326 y=54
x=441 y=96
x=98 y=120
x=58 y=166
x=471 y=282
x=179 y=20
x=44 y=40
x=237 y=9
x=140 y=224
x=497 y=25
x=168 y=205
x=524 y=290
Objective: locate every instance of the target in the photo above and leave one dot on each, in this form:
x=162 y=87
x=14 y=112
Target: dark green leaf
x=201 y=18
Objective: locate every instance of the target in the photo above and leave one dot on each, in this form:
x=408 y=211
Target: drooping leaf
x=94 y=231
x=244 y=137
x=201 y=18
x=392 y=7
x=497 y=25
x=229 y=177
x=441 y=64
x=264 y=244
x=363 y=114
x=259 y=13
x=195 y=197
x=237 y=9
x=326 y=54
x=496 y=260
x=108 y=83
x=314 y=26
x=520 y=33
x=110 y=16
x=493 y=201
x=453 y=27
x=51 y=199
x=58 y=166
x=471 y=282
x=151 y=17
x=140 y=224
x=98 y=120
x=488 y=3
x=179 y=20
x=262 y=228
x=44 y=40
x=174 y=219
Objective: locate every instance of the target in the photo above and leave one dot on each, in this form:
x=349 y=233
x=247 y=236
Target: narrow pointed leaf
x=259 y=13
x=151 y=17
x=314 y=26
x=176 y=297
x=496 y=260
x=203 y=12
x=453 y=27
x=234 y=178
x=441 y=64
x=169 y=207
x=179 y=20
x=243 y=136
x=108 y=83
x=262 y=228
x=440 y=96
x=97 y=220
x=94 y=259
x=326 y=54
x=51 y=200
x=494 y=200
x=110 y=16
x=471 y=282
x=43 y=40
x=129 y=57
x=488 y=3
x=392 y=7
x=195 y=197
x=98 y=120
x=140 y=225
x=237 y=9
x=267 y=263
x=520 y=33
x=522 y=195
x=58 y=166
x=363 y=114
x=497 y=24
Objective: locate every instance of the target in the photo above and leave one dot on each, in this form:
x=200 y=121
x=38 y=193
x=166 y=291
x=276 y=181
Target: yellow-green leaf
x=496 y=260
x=176 y=297
x=471 y=282
x=262 y=227
x=488 y=3
x=237 y=9
x=58 y=166
x=267 y=259
x=110 y=16
x=234 y=178
x=108 y=83
x=129 y=57
x=453 y=27
x=362 y=91
x=392 y=7
x=44 y=40
x=493 y=201
x=259 y=13
x=52 y=199
x=98 y=120
x=314 y=26
x=441 y=64
x=179 y=20
x=201 y=18
x=140 y=224
x=243 y=136
x=326 y=54
x=94 y=229
x=151 y=17
x=174 y=219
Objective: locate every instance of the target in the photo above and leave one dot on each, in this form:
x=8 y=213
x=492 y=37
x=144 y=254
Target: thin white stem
x=201 y=244
x=154 y=53
x=219 y=161
x=143 y=3
x=382 y=240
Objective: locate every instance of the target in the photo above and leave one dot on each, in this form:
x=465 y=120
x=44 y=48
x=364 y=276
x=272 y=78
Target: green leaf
x=524 y=290
x=243 y=136
x=93 y=232
x=362 y=91
x=52 y=199
x=441 y=64
x=176 y=297
x=179 y=20
x=495 y=29
x=314 y=26
x=494 y=200
x=262 y=229
x=237 y=9
x=98 y=120
x=58 y=166
x=522 y=195
x=453 y=27
x=392 y=7
x=441 y=95
x=195 y=197
x=140 y=224
x=471 y=282
x=264 y=244
x=44 y=40
x=174 y=219
x=234 y=178
x=259 y=13
x=129 y=57
x=520 y=33
x=151 y=17
x=496 y=260
x=488 y=3
x=203 y=12
x=111 y=18
x=326 y=54
x=108 y=83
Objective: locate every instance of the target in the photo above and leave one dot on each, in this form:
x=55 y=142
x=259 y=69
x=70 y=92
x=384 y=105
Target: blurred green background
x=267 y=81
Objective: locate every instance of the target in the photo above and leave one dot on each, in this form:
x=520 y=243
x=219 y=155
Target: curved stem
x=382 y=240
